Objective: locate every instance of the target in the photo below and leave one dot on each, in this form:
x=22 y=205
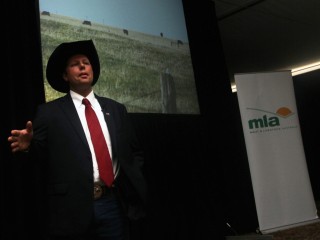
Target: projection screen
x=143 y=48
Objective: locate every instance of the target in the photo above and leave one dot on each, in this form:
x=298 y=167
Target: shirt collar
x=77 y=98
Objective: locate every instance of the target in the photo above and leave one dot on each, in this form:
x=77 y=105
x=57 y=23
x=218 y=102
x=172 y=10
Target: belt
x=100 y=189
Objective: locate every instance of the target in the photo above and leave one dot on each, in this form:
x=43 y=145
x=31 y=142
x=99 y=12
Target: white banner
x=279 y=174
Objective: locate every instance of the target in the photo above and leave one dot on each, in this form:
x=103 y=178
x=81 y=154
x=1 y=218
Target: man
x=78 y=202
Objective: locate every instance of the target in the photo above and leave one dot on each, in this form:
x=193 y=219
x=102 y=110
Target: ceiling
x=268 y=35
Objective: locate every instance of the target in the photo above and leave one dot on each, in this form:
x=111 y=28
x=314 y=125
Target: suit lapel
x=109 y=118
x=71 y=113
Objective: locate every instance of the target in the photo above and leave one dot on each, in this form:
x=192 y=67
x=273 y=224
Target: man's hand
x=20 y=139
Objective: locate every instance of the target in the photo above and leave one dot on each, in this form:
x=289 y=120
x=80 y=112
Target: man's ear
x=64 y=76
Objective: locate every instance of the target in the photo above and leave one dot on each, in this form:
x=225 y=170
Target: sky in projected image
x=142 y=45
x=148 y=16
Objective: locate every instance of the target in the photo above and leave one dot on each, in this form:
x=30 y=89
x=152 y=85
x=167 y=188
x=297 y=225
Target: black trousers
x=109 y=223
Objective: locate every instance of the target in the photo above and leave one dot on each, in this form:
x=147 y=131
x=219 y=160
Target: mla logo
x=267 y=121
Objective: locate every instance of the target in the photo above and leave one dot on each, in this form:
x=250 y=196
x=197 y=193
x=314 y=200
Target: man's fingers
x=12 y=139
x=29 y=126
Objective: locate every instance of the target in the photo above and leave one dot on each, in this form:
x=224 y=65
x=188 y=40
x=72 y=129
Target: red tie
x=99 y=145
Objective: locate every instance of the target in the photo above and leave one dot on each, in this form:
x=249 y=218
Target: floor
x=306 y=232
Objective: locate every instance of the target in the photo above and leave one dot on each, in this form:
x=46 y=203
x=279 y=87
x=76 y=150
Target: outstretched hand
x=20 y=139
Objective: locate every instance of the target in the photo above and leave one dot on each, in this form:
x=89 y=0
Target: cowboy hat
x=58 y=60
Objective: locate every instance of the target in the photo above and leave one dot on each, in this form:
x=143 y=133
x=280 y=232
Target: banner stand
x=267 y=231
x=279 y=174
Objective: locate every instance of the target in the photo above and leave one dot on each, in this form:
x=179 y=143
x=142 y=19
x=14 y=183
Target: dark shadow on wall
x=307 y=92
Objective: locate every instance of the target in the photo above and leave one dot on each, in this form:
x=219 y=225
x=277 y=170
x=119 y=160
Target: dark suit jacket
x=60 y=147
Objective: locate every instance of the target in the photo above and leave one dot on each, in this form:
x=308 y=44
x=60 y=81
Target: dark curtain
x=22 y=92
x=188 y=157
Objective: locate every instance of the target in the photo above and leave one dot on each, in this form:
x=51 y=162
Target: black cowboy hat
x=58 y=60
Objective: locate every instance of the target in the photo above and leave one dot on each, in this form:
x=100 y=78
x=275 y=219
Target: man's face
x=78 y=72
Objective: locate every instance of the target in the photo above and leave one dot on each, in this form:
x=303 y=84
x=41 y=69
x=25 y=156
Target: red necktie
x=99 y=145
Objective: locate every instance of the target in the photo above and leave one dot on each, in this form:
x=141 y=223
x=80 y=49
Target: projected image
x=142 y=45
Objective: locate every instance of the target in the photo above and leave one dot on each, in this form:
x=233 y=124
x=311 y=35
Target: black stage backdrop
x=196 y=165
